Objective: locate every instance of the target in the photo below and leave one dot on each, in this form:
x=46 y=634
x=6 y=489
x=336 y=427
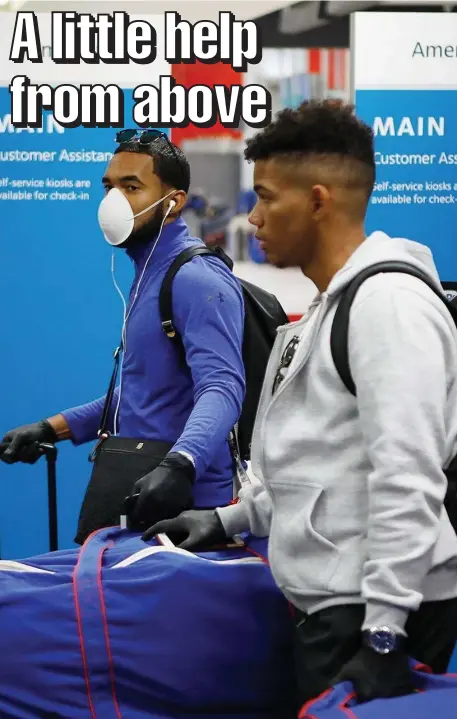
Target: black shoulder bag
x=118 y=462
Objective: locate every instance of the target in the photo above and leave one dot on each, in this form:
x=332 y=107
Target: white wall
x=291 y=287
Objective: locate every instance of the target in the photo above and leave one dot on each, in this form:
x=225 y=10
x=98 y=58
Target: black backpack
x=340 y=354
x=263 y=315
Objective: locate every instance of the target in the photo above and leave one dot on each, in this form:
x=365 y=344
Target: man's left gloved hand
x=163 y=493
x=376 y=676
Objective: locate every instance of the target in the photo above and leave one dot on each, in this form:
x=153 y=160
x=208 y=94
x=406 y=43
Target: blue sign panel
x=61 y=317
x=416 y=162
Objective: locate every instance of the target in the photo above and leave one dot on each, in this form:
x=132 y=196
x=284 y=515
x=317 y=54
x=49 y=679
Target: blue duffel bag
x=123 y=629
x=436 y=698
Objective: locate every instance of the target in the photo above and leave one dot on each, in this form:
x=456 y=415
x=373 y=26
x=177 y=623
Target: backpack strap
x=340 y=327
x=166 y=316
x=166 y=296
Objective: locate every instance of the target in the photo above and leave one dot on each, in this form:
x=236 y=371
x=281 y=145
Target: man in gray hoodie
x=351 y=489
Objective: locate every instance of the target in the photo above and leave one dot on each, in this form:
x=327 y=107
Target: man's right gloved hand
x=378 y=676
x=194 y=529
x=22 y=444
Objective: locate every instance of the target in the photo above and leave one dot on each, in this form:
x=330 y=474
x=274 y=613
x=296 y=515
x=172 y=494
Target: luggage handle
x=49 y=451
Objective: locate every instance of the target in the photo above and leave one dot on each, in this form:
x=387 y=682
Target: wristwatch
x=382 y=640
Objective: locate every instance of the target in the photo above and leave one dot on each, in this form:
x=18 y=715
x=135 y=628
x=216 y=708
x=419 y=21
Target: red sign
x=199 y=73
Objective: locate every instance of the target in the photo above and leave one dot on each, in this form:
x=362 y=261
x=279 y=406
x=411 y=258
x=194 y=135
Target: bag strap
x=92 y=626
x=103 y=427
x=166 y=316
x=339 y=336
x=166 y=295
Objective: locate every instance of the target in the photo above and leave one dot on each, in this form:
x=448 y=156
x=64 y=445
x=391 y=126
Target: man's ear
x=180 y=198
x=320 y=198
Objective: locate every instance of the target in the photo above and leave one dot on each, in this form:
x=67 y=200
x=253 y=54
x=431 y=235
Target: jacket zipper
x=260 y=431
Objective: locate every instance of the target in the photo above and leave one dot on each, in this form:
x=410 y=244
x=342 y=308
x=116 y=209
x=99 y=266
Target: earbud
x=172 y=204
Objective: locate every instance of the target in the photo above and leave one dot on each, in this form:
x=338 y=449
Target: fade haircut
x=172 y=168
x=327 y=140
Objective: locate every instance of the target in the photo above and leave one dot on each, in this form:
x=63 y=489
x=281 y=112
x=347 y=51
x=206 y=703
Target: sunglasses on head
x=144 y=137
x=147 y=137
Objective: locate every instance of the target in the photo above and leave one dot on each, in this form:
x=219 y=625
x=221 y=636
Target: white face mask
x=116 y=218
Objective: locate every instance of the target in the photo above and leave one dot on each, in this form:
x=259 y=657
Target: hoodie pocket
x=301 y=559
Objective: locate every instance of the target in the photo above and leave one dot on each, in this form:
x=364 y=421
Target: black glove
x=163 y=493
x=197 y=529
x=22 y=444
x=378 y=676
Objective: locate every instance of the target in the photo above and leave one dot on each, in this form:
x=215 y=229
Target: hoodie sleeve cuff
x=385 y=615
x=234 y=518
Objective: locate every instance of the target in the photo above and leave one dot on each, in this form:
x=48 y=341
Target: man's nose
x=254 y=219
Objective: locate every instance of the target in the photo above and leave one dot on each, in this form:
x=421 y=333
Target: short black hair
x=170 y=163
x=326 y=129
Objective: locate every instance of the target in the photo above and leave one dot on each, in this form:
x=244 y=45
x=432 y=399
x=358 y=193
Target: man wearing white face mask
x=191 y=406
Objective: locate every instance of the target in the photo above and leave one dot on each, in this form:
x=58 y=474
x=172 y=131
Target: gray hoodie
x=351 y=489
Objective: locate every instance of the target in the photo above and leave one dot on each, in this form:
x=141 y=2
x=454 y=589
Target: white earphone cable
x=126 y=314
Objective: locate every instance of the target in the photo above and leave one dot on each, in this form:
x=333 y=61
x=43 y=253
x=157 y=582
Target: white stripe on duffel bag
x=168 y=546
x=149 y=551
x=7 y=565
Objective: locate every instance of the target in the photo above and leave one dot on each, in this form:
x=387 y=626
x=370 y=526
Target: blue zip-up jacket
x=160 y=400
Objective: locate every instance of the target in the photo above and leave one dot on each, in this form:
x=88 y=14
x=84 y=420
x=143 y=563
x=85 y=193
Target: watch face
x=383 y=640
